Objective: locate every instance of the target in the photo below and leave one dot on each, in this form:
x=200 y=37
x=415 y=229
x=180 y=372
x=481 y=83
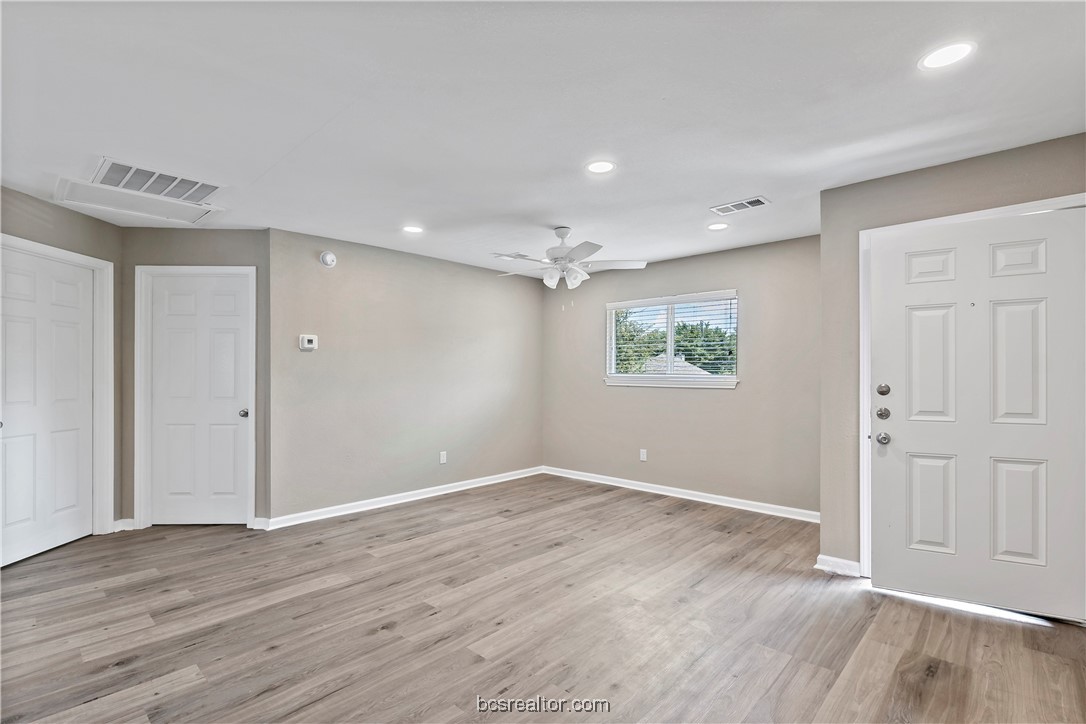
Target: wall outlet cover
x=307 y=342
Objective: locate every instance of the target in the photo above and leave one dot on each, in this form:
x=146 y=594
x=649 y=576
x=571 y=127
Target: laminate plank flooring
x=666 y=609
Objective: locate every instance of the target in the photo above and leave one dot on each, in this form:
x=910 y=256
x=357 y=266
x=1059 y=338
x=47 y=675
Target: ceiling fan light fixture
x=574 y=277
x=551 y=277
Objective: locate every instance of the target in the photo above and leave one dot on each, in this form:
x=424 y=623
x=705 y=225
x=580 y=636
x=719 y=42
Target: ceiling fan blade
x=518 y=256
x=604 y=265
x=526 y=272
x=583 y=250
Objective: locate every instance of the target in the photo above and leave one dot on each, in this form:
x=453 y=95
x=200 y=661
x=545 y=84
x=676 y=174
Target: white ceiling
x=350 y=120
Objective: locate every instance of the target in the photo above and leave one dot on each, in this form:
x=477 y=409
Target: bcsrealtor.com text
x=542 y=705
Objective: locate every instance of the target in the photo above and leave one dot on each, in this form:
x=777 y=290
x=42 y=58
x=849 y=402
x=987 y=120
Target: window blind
x=693 y=338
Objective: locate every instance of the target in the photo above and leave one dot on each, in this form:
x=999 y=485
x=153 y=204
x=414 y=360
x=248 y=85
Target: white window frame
x=667 y=380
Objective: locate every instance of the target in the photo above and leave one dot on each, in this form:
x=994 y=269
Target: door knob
x=882 y=438
x=883 y=389
x=244 y=413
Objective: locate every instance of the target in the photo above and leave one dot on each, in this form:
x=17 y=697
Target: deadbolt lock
x=883 y=389
x=882 y=413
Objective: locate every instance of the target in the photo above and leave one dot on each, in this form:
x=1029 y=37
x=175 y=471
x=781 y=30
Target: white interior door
x=978 y=330
x=48 y=314
x=201 y=381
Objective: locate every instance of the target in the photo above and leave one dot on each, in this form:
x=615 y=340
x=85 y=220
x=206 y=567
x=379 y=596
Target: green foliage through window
x=705 y=336
x=636 y=342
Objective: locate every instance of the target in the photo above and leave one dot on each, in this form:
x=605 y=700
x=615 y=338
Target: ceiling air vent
x=725 y=209
x=130 y=189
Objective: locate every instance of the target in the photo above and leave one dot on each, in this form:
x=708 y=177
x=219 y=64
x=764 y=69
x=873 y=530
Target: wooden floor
x=667 y=609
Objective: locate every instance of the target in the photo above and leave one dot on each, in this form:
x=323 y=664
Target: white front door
x=201 y=383
x=977 y=331
x=48 y=313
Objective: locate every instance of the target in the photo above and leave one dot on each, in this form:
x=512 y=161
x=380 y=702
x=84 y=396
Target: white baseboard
x=811 y=516
x=283 y=521
x=124 y=524
x=838 y=566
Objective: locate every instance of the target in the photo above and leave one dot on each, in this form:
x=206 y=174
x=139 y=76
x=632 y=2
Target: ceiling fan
x=568 y=262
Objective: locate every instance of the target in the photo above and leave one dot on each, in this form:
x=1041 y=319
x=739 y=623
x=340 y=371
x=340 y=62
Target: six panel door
x=979 y=331
x=46 y=391
x=201 y=383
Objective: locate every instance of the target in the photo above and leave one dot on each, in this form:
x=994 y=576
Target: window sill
x=718 y=381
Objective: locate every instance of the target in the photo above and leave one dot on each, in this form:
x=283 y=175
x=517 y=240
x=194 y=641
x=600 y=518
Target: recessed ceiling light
x=946 y=55
x=413 y=229
x=601 y=167
x=719 y=226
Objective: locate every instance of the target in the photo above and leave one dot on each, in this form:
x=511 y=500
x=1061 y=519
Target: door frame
x=867 y=237
x=145 y=277
x=102 y=374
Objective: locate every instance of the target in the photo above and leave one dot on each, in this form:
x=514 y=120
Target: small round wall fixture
x=601 y=166
x=947 y=55
x=328 y=259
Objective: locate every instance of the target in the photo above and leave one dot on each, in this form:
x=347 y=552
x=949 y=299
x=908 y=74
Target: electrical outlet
x=644 y=455
x=442 y=457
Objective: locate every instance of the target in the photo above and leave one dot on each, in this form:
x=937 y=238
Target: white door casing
x=979 y=329
x=56 y=387
x=195 y=375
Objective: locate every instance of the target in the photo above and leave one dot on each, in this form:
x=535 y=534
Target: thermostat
x=307 y=342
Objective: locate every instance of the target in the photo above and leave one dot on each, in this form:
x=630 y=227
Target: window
x=689 y=340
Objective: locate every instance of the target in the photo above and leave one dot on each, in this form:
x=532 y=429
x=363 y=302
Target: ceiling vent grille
x=127 y=188
x=725 y=209
x=133 y=178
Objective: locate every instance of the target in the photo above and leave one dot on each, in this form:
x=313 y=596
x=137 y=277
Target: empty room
x=543 y=362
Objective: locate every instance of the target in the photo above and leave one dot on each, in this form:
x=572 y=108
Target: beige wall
x=416 y=356
x=194 y=247
x=1043 y=170
x=757 y=442
x=30 y=218
x=472 y=387
x=441 y=356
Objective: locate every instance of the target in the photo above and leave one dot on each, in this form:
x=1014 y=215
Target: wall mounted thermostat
x=307 y=342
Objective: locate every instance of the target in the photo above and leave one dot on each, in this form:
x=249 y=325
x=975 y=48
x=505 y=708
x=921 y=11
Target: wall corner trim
x=124 y=524
x=259 y=524
x=838 y=566
x=308 y=516
x=810 y=516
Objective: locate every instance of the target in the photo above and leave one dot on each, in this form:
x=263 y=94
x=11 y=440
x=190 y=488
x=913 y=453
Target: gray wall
x=416 y=356
x=441 y=356
x=758 y=442
x=30 y=218
x=1040 y=171
x=193 y=247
